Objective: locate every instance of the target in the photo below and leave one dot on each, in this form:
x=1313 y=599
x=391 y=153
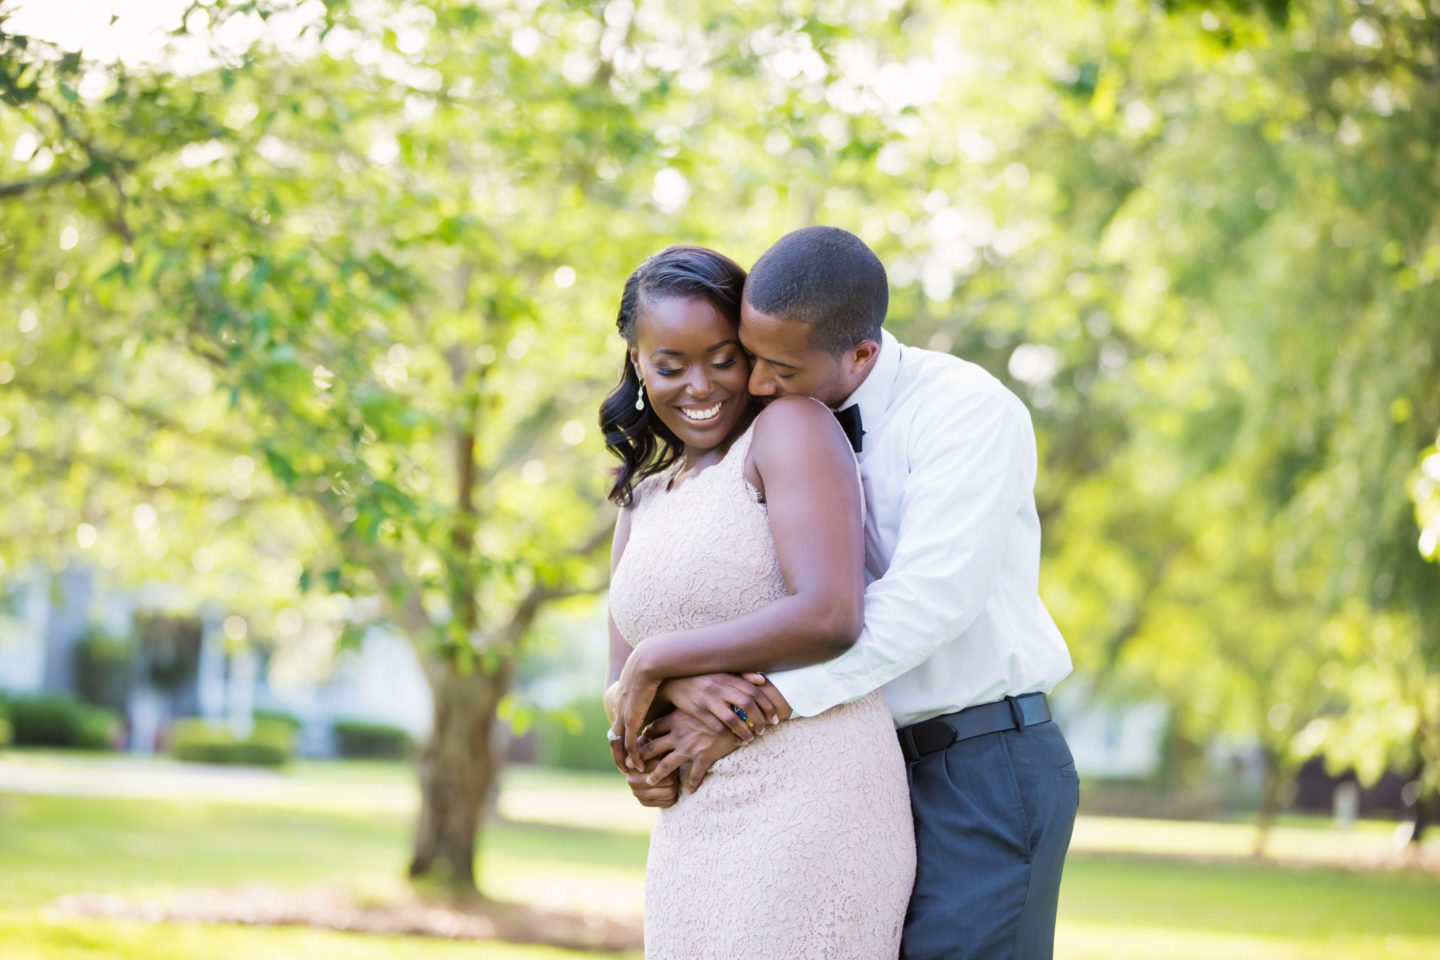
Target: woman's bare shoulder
x=793 y=424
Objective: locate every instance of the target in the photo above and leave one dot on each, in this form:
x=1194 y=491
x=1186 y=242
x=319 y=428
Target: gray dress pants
x=993 y=818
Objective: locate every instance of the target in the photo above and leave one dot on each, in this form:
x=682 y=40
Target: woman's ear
x=635 y=361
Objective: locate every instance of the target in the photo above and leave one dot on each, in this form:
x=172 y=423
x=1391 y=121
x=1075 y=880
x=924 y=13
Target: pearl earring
x=640 y=397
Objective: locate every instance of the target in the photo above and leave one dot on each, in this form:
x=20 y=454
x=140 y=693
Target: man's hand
x=714 y=698
x=678 y=738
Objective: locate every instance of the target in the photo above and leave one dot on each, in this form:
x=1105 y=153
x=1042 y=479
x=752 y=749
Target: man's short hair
x=824 y=277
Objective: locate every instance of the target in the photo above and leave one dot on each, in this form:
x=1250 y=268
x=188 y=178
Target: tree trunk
x=1427 y=801
x=457 y=767
x=1269 y=801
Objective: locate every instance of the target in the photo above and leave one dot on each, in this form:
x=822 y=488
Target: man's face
x=786 y=365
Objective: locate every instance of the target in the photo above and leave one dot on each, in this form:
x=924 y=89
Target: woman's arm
x=619 y=648
x=708 y=698
x=815 y=506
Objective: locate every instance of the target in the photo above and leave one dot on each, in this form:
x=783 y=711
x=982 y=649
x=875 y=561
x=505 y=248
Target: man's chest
x=884 y=468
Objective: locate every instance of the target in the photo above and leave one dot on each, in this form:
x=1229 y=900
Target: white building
x=193 y=673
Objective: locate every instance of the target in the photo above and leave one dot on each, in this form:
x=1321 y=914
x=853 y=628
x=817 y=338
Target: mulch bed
x=334 y=909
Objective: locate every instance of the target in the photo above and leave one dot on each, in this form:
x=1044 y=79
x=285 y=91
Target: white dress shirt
x=953 y=615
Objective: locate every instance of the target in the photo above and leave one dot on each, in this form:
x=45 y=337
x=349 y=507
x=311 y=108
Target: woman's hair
x=638 y=437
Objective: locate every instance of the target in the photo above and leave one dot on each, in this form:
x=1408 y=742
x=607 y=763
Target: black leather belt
x=1012 y=713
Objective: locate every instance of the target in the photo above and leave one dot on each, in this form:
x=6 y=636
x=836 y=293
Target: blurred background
x=306 y=310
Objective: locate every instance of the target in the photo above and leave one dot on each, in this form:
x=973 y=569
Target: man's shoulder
x=935 y=381
x=947 y=403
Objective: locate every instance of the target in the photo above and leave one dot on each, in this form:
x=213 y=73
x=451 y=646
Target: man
x=955 y=635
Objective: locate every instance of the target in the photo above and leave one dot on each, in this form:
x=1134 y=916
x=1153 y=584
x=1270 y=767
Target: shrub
x=54 y=721
x=102 y=668
x=5 y=731
x=574 y=738
x=279 y=718
x=270 y=744
x=356 y=738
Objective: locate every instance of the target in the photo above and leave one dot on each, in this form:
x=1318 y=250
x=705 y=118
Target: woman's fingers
x=768 y=707
x=726 y=714
x=742 y=696
x=617 y=753
x=635 y=706
x=762 y=688
x=632 y=737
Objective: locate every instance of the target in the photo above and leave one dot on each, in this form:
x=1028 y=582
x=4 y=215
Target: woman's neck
x=693 y=458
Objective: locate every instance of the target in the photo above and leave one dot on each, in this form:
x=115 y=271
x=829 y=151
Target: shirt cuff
x=808 y=690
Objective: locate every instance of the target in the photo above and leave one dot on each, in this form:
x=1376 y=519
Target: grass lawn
x=583 y=846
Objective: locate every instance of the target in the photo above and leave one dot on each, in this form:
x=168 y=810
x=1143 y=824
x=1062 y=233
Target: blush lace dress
x=799 y=845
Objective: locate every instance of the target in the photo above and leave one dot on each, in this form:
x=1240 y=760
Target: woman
x=739 y=548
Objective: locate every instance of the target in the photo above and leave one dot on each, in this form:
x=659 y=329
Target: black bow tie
x=850 y=422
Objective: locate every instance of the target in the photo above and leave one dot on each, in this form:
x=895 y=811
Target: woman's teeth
x=709 y=413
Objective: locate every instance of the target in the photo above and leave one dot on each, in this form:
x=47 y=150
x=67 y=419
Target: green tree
x=338 y=295
x=349 y=306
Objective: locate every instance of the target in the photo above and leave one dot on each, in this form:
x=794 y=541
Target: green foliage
x=357 y=738
x=349 y=313
x=269 y=744
x=1425 y=489
x=171 y=648
x=574 y=738
x=282 y=719
x=102 y=668
x=56 y=721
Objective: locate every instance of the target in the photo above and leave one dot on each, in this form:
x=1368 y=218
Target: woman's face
x=694 y=369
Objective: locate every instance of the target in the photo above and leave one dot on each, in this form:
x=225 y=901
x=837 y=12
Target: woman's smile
x=702 y=414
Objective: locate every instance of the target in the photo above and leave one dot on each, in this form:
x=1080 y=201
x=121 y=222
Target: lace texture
x=799 y=845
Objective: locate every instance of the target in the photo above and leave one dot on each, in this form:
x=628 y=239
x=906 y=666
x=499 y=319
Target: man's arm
x=973 y=467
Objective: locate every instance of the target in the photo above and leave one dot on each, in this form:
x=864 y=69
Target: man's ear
x=862 y=355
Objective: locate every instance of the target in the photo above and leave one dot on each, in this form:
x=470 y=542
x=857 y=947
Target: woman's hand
x=637 y=685
x=723 y=701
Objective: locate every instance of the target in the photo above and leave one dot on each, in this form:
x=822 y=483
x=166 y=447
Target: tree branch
x=20 y=188
x=541 y=594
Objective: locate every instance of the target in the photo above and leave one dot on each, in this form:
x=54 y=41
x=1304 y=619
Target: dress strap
x=735 y=456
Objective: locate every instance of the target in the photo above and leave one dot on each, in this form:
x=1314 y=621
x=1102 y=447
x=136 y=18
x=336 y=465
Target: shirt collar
x=873 y=394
